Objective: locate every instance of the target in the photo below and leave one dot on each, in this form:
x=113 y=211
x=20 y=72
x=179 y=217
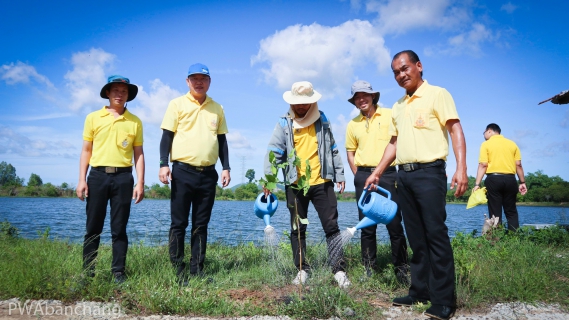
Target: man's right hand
x=82 y=190
x=266 y=191
x=372 y=181
x=165 y=175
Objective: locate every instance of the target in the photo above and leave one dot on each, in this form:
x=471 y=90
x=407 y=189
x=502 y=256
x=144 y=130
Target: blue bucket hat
x=132 y=89
x=198 y=68
x=363 y=86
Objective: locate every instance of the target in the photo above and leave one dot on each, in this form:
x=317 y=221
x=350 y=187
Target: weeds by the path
x=247 y=280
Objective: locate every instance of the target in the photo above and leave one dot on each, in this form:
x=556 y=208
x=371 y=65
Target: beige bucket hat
x=301 y=93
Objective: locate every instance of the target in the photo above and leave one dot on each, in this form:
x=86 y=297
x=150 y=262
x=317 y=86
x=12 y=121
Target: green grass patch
x=528 y=266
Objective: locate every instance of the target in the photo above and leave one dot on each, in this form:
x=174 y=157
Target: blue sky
x=497 y=58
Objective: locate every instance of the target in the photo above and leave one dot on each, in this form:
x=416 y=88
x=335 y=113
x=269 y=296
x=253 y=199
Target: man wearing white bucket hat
x=422 y=121
x=307 y=130
x=366 y=138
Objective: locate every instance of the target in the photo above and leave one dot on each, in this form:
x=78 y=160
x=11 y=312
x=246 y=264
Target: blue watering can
x=265 y=208
x=376 y=208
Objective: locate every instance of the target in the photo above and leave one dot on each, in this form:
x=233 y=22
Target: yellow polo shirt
x=500 y=154
x=306 y=145
x=113 y=139
x=369 y=137
x=195 y=130
x=419 y=124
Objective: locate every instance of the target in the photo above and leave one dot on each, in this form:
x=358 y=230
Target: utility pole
x=242 y=169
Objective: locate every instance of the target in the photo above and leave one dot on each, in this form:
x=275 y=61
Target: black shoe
x=201 y=275
x=408 y=301
x=369 y=272
x=119 y=277
x=182 y=281
x=440 y=312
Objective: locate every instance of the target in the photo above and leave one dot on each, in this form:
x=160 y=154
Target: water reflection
x=232 y=222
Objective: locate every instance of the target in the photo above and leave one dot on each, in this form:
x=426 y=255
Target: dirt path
x=14 y=309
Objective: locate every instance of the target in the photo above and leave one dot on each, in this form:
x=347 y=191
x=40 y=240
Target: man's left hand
x=341 y=186
x=460 y=181
x=225 y=178
x=138 y=193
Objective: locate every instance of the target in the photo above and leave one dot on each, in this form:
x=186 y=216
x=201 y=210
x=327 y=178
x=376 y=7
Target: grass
x=529 y=266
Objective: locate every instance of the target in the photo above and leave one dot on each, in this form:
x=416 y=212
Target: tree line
x=541 y=188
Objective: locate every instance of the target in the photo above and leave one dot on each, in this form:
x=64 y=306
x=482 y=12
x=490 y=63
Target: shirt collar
x=207 y=99
x=377 y=113
x=104 y=112
x=419 y=92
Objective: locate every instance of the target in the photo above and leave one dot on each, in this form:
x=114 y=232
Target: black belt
x=189 y=166
x=370 y=169
x=112 y=169
x=408 y=167
x=499 y=174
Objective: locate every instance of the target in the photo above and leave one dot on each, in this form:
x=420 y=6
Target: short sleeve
x=351 y=142
x=444 y=107
x=170 y=121
x=518 y=154
x=88 y=128
x=483 y=158
x=222 y=128
x=138 y=140
x=392 y=128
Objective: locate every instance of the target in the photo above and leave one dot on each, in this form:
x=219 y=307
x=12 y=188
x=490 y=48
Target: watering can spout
x=267 y=219
x=366 y=222
x=352 y=231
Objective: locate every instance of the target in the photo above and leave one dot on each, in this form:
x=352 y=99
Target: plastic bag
x=477 y=197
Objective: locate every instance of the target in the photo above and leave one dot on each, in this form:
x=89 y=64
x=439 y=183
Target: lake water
x=232 y=222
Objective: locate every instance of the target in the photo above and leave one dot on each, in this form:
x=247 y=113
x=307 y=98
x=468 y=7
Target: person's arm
x=338 y=164
x=520 y=171
x=164 y=175
x=350 y=155
x=277 y=145
x=459 y=179
x=224 y=158
x=138 y=192
x=386 y=160
x=482 y=167
x=82 y=190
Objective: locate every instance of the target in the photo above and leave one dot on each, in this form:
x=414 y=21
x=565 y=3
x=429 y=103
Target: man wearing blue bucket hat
x=366 y=138
x=422 y=121
x=111 y=137
x=193 y=136
x=307 y=131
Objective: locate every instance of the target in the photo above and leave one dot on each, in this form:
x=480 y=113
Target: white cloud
x=151 y=106
x=508 y=7
x=236 y=140
x=326 y=56
x=18 y=143
x=552 y=149
x=85 y=80
x=398 y=17
x=468 y=42
x=22 y=73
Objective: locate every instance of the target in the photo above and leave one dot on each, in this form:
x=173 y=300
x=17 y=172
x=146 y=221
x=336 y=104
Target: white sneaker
x=300 y=278
x=342 y=279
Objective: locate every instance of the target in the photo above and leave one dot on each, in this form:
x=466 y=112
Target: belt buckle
x=200 y=169
x=408 y=167
x=110 y=170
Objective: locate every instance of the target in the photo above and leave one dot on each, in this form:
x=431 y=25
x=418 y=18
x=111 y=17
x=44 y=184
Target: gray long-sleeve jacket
x=282 y=142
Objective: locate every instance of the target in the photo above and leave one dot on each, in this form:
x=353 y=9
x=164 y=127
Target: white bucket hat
x=301 y=93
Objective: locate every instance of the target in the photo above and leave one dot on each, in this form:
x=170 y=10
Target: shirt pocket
x=213 y=122
x=124 y=139
x=384 y=132
x=421 y=118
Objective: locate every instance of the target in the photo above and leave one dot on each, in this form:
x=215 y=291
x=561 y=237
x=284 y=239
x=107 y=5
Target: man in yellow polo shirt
x=306 y=130
x=366 y=138
x=500 y=159
x=193 y=135
x=111 y=137
x=421 y=123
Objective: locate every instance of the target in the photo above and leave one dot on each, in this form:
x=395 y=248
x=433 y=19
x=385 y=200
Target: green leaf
x=271 y=185
x=272 y=157
x=303 y=221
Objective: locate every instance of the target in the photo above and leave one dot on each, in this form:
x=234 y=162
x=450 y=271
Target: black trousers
x=324 y=200
x=195 y=189
x=422 y=199
x=394 y=228
x=502 y=191
x=105 y=187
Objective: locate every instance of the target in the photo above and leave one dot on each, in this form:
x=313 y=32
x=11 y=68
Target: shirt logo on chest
x=124 y=143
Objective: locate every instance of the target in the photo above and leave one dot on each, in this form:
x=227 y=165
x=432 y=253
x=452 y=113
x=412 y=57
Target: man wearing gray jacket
x=307 y=130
